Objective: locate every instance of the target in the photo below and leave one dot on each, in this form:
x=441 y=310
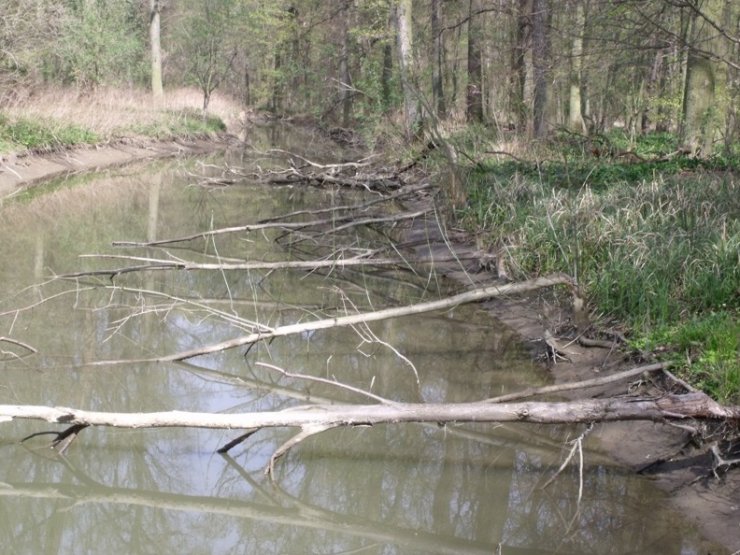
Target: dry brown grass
x=113 y=112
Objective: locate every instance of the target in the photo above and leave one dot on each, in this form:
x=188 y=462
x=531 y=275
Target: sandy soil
x=660 y=451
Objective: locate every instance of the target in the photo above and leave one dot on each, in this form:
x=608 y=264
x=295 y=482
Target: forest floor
x=662 y=452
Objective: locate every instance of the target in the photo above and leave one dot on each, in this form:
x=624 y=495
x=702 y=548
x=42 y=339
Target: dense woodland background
x=600 y=138
x=523 y=67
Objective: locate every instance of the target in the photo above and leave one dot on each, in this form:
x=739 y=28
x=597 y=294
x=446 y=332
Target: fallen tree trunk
x=353 y=319
x=666 y=407
x=346 y=221
x=315 y=419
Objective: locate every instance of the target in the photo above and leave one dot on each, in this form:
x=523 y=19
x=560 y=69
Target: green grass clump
x=182 y=123
x=41 y=135
x=704 y=350
x=656 y=248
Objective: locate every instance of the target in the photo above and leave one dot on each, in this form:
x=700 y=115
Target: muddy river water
x=382 y=490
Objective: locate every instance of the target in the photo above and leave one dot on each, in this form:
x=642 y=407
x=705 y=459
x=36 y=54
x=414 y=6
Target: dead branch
x=315 y=419
x=407 y=191
x=332 y=167
x=345 y=221
x=346 y=174
x=584 y=384
x=666 y=407
x=153 y=264
x=18 y=343
x=375 y=316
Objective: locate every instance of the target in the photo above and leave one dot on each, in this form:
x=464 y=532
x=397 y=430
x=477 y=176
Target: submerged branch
x=375 y=316
x=153 y=264
x=345 y=221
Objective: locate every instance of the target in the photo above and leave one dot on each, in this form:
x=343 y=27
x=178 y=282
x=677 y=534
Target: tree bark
x=405 y=63
x=474 y=91
x=540 y=55
x=438 y=95
x=699 y=117
x=575 y=113
x=154 y=38
x=731 y=20
x=518 y=66
x=344 y=75
x=665 y=407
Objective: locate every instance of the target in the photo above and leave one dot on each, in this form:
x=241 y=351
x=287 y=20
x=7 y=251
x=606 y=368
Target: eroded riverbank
x=663 y=452
x=17 y=172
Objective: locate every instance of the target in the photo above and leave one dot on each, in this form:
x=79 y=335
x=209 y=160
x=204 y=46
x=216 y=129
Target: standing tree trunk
x=385 y=84
x=474 y=92
x=405 y=62
x=731 y=20
x=697 y=126
x=345 y=93
x=539 y=63
x=652 y=89
x=438 y=95
x=518 y=65
x=575 y=110
x=277 y=85
x=154 y=36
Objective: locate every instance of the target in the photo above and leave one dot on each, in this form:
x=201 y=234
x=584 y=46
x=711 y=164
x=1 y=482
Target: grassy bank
x=654 y=240
x=52 y=119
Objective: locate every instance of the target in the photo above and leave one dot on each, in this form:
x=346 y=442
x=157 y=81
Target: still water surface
x=381 y=490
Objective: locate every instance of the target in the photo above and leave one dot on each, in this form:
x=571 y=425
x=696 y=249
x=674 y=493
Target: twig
x=18 y=343
x=576 y=448
x=420 y=308
x=334 y=383
x=584 y=384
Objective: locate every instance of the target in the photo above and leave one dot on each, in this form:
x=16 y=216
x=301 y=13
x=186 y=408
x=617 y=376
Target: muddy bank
x=661 y=452
x=20 y=171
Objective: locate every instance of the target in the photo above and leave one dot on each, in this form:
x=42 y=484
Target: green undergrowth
x=654 y=245
x=181 y=123
x=704 y=349
x=24 y=134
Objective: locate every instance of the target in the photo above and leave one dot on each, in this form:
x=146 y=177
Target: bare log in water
x=344 y=222
x=315 y=419
x=353 y=319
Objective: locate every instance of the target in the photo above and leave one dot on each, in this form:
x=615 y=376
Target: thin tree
x=404 y=35
x=540 y=10
x=575 y=112
x=438 y=95
x=474 y=91
x=154 y=39
x=518 y=64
